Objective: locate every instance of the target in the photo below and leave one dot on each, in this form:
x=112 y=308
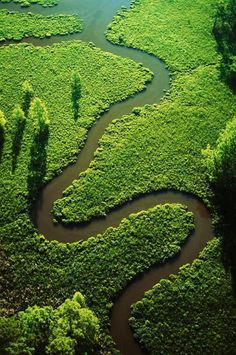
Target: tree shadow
x=16 y=144
x=38 y=163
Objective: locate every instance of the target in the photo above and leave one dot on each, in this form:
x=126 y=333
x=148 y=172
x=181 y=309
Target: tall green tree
x=75 y=93
x=225 y=33
x=27 y=96
x=37 y=167
x=70 y=329
x=2 y=129
x=221 y=164
x=19 y=119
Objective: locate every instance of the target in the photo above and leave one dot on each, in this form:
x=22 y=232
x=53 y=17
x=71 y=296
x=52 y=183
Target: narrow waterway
x=96 y=15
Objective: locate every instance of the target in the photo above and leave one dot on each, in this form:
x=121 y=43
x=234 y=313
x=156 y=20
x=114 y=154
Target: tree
x=225 y=34
x=27 y=96
x=68 y=330
x=37 y=166
x=221 y=165
x=75 y=326
x=75 y=93
x=2 y=129
x=19 y=125
x=39 y=115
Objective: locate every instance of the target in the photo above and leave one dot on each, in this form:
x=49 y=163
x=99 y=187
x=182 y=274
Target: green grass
x=16 y=25
x=177 y=130
x=46 y=273
x=192 y=312
x=157 y=148
x=26 y=3
x=105 y=79
x=177 y=31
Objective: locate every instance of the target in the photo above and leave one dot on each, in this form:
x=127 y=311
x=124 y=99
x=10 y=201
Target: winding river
x=96 y=15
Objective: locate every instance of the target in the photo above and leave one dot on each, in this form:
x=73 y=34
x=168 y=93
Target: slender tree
x=27 y=96
x=19 y=126
x=37 y=167
x=2 y=129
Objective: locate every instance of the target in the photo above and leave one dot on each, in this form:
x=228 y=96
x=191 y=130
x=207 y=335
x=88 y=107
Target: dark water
x=97 y=14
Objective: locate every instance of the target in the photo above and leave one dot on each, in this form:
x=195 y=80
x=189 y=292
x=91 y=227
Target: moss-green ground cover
x=46 y=273
x=27 y=3
x=15 y=25
x=49 y=70
x=187 y=120
x=193 y=312
x=168 y=155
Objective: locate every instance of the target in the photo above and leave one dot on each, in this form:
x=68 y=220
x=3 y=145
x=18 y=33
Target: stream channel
x=97 y=14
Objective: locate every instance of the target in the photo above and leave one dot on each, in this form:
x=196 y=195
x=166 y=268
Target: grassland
x=26 y=3
x=168 y=155
x=49 y=71
x=193 y=312
x=16 y=25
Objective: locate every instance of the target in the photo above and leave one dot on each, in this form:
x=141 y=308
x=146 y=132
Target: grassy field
x=16 y=25
x=193 y=312
x=168 y=155
x=49 y=72
x=27 y=3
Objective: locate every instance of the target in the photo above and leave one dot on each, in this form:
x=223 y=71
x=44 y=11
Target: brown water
x=96 y=15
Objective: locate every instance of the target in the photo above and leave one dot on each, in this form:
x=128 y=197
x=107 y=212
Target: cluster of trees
x=225 y=33
x=70 y=329
x=33 y=110
x=221 y=164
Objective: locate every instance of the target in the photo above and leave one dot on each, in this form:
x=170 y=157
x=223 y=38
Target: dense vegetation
x=46 y=273
x=193 y=312
x=70 y=329
x=129 y=162
x=16 y=25
x=225 y=33
x=49 y=72
x=27 y=3
x=167 y=156
x=198 y=106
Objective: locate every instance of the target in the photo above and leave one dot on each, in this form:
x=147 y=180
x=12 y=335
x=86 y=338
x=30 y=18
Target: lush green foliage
x=221 y=161
x=16 y=25
x=26 y=3
x=225 y=33
x=105 y=79
x=129 y=162
x=45 y=273
x=192 y=312
x=177 y=31
x=70 y=329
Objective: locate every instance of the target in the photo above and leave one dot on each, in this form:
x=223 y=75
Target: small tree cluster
x=70 y=329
